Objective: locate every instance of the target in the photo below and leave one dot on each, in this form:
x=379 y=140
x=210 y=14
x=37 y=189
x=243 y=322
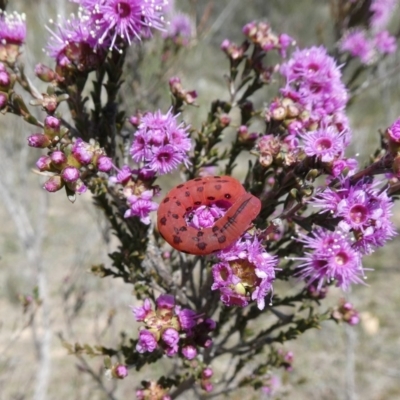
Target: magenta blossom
x=171 y=328
x=12 y=28
x=118 y=23
x=245 y=272
x=160 y=143
x=358 y=45
x=141 y=206
x=328 y=257
x=363 y=210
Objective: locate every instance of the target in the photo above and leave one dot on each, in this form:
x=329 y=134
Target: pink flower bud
x=38 y=140
x=3 y=100
x=45 y=73
x=70 y=174
x=54 y=184
x=44 y=163
x=58 y=157
x=120 y=371
x=4 y=79
x=52 y=123
x=207 y=373
x=104 y=164
x=189 y=352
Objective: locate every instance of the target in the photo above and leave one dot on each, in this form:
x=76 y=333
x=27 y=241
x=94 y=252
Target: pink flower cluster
x=245 y=273
x=329 y=257
x=368 y=44
x=160 y=143
x=67 y=162
x=172 y=328
x=363 y=209
x=103 y=25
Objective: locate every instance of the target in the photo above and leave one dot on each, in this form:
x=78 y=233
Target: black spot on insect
x=215 y=228
x=227 y=196
x=217 y=187
x=200 y=189
x=180 y=186
x=187 y=193
x=198 y=179
x=211 y=198
x=197 y=203
x=189 y=209
x=183 y=228
x=176 y=230
x=176 y=216
x=177 y=239
x=166 y=200
x=178 y=203
x=163 y=221
x=217 y=177
x=222 y=239
x=201 y=245
x=200 y=234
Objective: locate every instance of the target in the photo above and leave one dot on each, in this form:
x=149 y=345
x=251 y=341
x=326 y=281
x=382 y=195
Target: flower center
x=324 y=144
x=358 y=214
x=123 y=9
x=341 y=258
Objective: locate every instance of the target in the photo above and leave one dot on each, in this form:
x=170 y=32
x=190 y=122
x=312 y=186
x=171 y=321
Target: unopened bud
x=39 y=140
x=54 y=184
x=45 y=73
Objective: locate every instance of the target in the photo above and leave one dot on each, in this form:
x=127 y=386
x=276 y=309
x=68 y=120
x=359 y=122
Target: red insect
x=198 y=192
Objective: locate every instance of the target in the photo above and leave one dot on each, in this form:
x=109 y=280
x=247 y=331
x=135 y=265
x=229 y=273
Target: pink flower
x=12 y=28
x=385 y=43
x=329 y=256
x=160 y=143
x=141 y=206
x=358 y=45
x=146 y=342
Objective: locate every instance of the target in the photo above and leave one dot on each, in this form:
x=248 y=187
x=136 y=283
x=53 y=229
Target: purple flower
x=180 y=29
x=4 y=79
x=160 y=143
x=246 y=271
x=141 y=206
x=382 y=11
x=12 y=28
x=170 y=337
x=394 y=131
x=187 y=318
x=123 y=175
x=329 y=256
x=326 y=144
x=82 y=151
x=125 y=21
x=141 y=312
x=166 y=301
x=104 y=164
x=72 y=42
x=313 y=80
x=205 y=216
x=385 y=42
x=358 y=45
x=189 y=352
x=146 y=342
x=363 y=209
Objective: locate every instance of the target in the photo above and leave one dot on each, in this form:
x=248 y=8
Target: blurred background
x=47 y=244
